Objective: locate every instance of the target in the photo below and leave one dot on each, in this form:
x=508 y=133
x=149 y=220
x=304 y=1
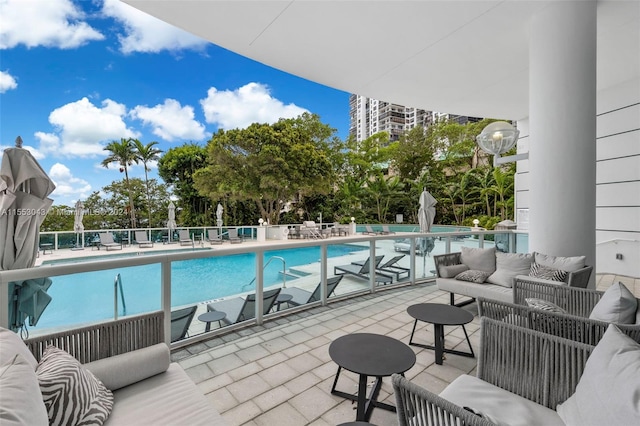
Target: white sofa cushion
x=617 y=305
x=508 y=266
x=480 y=259
x=607 y=393
x=570 y=264
x=498 y=405
x=20 y=398
x=488 y=291
x=170 y=398
x=11 y=344
x=71 y=394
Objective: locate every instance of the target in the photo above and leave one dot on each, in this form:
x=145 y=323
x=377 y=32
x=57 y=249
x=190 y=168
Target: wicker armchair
x=524 y=362
x=574 y=325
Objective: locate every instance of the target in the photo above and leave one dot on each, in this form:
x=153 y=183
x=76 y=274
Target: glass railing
x=82 y=292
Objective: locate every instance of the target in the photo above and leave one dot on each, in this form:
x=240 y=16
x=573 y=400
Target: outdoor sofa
x=525 y=377
x=129 y=358
x=488 y=273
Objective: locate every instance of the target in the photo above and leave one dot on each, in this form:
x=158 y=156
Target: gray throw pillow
x=473 y=275
x=21 y=400
x=508 y=266
x=479 y=259
x=607 y=393
x=617 y=305
x=450 y=271
x=570 y=264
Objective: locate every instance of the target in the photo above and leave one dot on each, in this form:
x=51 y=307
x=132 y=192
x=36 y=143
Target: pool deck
x=281 y=373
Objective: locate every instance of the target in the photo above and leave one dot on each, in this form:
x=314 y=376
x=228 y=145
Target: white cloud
x=145 y=33
x=82 y=128
x=67 y=185
x=50 y=23
x=7 y=82
x=170 y=120
x=251 y=103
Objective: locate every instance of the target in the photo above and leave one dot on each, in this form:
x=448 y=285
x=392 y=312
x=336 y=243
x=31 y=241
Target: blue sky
x=75 y=75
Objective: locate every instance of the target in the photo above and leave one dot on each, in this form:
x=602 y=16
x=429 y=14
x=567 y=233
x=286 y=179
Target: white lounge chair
x=142 y=240
x=233 y=236
x=106 y=240
x=214 y=237
x=185 y=238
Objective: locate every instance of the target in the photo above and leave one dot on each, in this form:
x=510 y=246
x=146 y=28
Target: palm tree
x=146 y=153
x=123 y=154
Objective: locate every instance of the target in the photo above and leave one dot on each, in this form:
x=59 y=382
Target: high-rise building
x=368 y=116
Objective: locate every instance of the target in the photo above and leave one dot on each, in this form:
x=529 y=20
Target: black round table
x=367 y=355
x=440 y=315
x=282 y=298
x=210 y=317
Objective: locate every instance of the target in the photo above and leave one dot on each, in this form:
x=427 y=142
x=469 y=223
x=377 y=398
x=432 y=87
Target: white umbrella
x=24 y=203
x=219 y=211
x=426 y=215
x=78 y=226
x=171 y=223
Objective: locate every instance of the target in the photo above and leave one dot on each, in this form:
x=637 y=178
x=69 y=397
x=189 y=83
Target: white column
x=562 y=113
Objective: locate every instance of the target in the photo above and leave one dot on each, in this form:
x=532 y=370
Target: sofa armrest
x=579 y=278
x=418 y=406
x=125 y=369
x=576 y=301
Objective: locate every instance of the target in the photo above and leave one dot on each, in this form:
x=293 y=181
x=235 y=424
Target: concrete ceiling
x=463 y=57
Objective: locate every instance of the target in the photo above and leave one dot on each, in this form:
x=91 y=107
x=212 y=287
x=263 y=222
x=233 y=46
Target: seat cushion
x=450 y=271
x=498 y=405
x=488 y=291
x=170 y=398
x=607 y=393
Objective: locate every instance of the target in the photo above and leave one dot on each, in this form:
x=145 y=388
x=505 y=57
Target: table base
x=365 y=403
x=439 y=343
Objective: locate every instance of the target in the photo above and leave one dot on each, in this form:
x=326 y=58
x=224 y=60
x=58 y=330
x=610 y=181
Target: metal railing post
x=259 y=286
x=323 y=274
x=165 y=299
x=372 y=266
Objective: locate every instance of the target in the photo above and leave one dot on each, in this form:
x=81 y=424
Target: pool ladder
x=117 y=285
x=284 y=272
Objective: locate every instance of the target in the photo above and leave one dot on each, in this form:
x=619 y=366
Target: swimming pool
x=88 y=296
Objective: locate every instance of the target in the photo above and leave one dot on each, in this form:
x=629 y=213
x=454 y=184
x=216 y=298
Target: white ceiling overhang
x=463 y=57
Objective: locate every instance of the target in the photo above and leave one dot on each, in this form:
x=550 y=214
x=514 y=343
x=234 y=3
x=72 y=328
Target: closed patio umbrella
x=171 y=222
x=24 y=203
x=426 y=215
x=78 y=226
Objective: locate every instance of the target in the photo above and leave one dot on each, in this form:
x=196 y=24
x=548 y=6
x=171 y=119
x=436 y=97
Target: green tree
x=145 y=154
x=59 y=218
x=177 y=167
x=269 y=164
x=503 y=188
x=382 y=191
x=123 y=153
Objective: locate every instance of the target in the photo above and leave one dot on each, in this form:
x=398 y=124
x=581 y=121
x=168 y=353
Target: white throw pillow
x=617 y=305
x=608 y=391
x=570 y=264
x=479 y=259
x=20 y=397
x=71 y=394
x=508 y=266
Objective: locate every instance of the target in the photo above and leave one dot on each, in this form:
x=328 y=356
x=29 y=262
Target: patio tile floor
x=281 y=373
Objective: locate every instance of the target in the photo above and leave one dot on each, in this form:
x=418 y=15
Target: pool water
x=88 y=296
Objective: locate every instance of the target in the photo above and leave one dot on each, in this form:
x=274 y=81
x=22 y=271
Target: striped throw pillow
x=540 y=271
x=544 y=305
x=71 y=394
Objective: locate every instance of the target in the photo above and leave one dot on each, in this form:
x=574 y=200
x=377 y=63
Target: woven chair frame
x=104 y=340
x=540 y=367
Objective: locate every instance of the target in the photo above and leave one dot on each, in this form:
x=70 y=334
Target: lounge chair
x=386 y=230
x=302 y=297
x=362 y=271
x=369 y=230
x=233 y=236
x=312 y=230
x=239 y=309
x=214 y=237
x=185 y=238
x=142 y=240
x=391 y=267
x=180 y=322
x=106 y=240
